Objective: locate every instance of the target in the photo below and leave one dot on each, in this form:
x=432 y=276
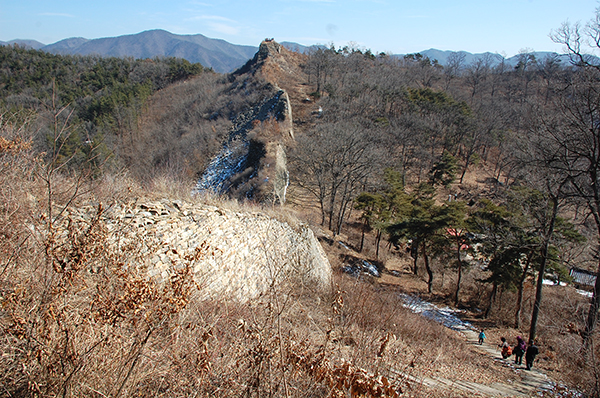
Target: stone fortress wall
x=233 y=254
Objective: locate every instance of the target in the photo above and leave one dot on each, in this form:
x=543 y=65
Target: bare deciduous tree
x=332 y=163
x=571 y=142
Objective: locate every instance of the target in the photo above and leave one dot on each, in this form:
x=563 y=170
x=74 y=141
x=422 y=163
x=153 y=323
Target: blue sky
x=394 y=26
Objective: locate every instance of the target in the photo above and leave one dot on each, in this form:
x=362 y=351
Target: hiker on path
x=519 y=350
x=505 y=348
x=531 y=353
x=481 y=337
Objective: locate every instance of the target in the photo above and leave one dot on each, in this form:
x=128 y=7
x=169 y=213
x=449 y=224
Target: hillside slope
x=255 y=115
x=104 y=290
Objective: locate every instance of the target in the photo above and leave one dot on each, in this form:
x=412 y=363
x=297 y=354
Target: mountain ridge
x=214 y=53
x=442 y=56
x=218 y=54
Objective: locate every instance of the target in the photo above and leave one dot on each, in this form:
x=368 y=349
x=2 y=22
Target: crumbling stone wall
x=238 y=166
x=241 y=254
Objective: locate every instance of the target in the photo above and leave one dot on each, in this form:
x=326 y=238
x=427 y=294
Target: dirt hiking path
x=526 y=383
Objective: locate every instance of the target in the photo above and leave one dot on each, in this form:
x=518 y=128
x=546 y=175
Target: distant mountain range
x=214 y=53
x=217 y=54
x=494 y=58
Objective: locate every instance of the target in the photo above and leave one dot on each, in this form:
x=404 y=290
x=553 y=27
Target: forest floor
x=520 y=382
x=526 y=383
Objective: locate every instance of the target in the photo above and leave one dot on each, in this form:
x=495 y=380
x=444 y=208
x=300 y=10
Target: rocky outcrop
x=281 y=178
x=287 y=120
x=232 y=254
x=267 y=49
x=239 y=164
x=252 y=162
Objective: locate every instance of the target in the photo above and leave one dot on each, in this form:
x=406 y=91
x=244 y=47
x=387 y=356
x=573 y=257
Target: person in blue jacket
x=481 y=337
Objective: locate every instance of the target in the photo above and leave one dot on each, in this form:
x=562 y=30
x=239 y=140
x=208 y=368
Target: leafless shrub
x=80 y=316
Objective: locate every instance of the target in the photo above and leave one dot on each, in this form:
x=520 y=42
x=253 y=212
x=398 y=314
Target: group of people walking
x=519 y=350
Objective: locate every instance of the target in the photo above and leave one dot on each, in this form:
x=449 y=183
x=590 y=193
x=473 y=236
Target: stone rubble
x=232 y=254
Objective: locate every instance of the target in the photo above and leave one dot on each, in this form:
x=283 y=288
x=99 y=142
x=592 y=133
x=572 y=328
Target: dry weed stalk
x=77 y=314
x=344 y=380
x=65 y=318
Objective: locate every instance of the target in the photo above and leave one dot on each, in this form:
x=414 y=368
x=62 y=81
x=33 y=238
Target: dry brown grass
x=79 y=316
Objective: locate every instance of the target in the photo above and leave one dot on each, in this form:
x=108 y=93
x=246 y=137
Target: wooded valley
x=482 y=174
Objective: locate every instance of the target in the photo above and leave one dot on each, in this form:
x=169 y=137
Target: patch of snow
x=446 y=316
x=228 y=162
x=349 y=269
x=361 y=267
x=560 y=390
x=550 y=282
x=371 y=269
x=343 y=245
x=582 y=292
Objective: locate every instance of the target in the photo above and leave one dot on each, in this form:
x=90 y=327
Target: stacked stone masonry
x=232 y=254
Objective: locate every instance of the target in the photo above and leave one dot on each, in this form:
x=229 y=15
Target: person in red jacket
x=505 y=348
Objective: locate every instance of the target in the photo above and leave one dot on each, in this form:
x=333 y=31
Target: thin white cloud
x=223 y=28
x=312 y=1
x=56 y=14
x=218 y=23
x=211 y=18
